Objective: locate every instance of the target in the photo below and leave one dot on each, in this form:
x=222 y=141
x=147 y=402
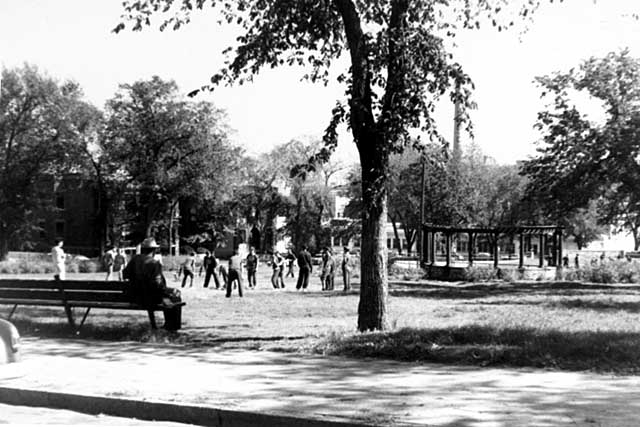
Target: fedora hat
x=149 y=243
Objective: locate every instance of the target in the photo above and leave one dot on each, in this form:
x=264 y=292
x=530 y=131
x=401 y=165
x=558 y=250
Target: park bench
x=85 y=294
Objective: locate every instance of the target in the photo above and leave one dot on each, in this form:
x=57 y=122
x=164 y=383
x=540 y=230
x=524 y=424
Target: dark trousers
x=187 y=273
x=303 y=278
x=251 y=277
x=231 y=277
x=276 y=278
x=290 y=270
x=346 y=278
x=207 y=277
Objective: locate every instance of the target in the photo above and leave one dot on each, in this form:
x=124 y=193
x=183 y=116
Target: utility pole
x=421 y=222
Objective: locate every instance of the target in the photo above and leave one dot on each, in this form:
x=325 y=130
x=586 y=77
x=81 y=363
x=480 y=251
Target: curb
x=156 y=411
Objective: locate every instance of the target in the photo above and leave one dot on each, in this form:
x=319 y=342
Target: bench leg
x=173 y=318
x=86 y=313
x=152 y=319
x=69 y=313
x=13 y=310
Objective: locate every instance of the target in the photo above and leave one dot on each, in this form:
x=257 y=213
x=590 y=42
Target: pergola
x=543 y=232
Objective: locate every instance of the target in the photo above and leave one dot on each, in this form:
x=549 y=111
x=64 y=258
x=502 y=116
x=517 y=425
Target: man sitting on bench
x=148 y=285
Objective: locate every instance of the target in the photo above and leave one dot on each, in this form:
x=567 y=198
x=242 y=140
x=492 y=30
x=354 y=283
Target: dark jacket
x=148 y=284
x=304 y=260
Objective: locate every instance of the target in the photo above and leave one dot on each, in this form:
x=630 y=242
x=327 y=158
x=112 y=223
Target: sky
x=73 y=39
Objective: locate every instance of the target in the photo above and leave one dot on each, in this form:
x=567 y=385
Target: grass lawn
x=536 y=324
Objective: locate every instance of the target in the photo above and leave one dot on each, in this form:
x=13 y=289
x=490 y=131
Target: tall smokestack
x=457 y=117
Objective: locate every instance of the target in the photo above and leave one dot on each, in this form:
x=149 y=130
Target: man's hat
x=149 y=243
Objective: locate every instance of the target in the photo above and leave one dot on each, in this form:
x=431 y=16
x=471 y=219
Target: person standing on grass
x=291 y=259
x=119 y=261
x=328 y=269
x=346 y=270
x=204 y=266
x=305 y=268
x=58 y=257
x=324 y=270
x=107 y=259
x=210 y=265
x=277 y=263
x=188 y=268
x=235 y=273
x=252 y=263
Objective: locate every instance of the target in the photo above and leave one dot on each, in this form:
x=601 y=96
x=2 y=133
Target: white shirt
x=58 y=255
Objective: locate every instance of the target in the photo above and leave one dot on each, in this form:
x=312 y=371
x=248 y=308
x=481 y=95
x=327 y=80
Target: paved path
x=25 y=415
x=337 y=389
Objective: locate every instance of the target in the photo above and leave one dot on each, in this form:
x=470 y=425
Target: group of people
x=328 y=269
x=114 y=261
x=232 y=278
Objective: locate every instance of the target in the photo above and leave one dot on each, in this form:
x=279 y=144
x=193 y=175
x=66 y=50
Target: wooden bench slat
x=70 y=296
x=94 y=285
x=84 y=304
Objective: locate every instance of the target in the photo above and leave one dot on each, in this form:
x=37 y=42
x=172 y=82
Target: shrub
x=26 y=266
x=509 y=275
x=406 y=273
x=480 y=274
x=72 y=267
x=89 y=266
x=618 y=271
x=8 y=267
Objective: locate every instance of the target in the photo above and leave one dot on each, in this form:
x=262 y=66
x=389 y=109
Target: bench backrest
x=74 y=290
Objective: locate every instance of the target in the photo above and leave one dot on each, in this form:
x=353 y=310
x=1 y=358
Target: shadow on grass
x=486 y=346
x=474 y=292
x=597 y=305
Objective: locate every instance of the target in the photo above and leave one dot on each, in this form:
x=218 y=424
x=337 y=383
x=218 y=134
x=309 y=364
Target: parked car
x=9 y=342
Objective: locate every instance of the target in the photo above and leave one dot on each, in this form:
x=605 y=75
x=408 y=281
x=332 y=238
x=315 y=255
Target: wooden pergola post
x=470 y=248
x=424 y=249
x=495 y=250
x=447 y=252
x=559 y=234
x=541 y=250
x=521 y=251
x=432 y=247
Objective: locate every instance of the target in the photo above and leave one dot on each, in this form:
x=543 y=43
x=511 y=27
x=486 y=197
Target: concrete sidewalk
x=289 y=388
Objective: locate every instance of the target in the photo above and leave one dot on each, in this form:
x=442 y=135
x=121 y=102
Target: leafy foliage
x=167 y=148
x=42 y=124
x=580 y=161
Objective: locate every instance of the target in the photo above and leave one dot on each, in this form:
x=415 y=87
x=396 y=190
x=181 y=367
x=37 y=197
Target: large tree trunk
x=372 y=309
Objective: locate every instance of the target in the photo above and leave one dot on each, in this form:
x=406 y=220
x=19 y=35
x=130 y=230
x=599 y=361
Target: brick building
x=70 y=212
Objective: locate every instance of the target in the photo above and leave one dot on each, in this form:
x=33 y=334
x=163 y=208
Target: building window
x=60 y=229
x=59 y=200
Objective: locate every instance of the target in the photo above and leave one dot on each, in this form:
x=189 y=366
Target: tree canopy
x=167 y=148
x=579 y=160
x=42 y=123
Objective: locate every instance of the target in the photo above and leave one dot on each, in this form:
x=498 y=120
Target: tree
x=167 y=148
x=583 y=226
x=41 y=125
x=399 y=68
x=579 y=160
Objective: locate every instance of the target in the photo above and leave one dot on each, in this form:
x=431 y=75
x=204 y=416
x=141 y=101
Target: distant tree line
x=148 y=151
